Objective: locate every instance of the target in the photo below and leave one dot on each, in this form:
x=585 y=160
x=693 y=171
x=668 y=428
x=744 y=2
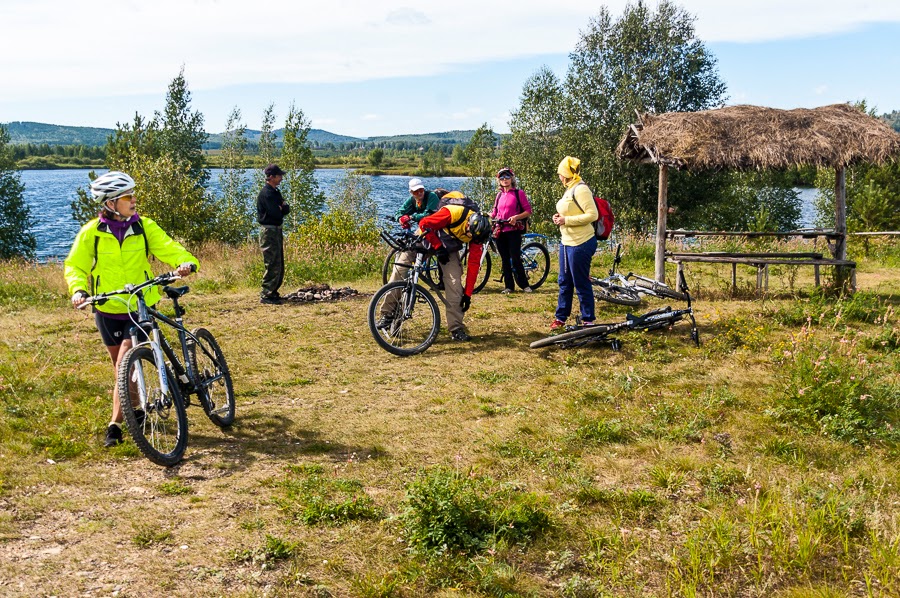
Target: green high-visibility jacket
x=97 y=263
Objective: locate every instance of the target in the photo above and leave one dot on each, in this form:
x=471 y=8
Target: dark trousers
x=509 y=244
x=271 y=241
x=575 y=274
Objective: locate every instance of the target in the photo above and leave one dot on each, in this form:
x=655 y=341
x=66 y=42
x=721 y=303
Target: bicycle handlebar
x=130 y=289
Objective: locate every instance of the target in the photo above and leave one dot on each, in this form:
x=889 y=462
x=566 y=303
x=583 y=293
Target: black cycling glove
x=465 y=302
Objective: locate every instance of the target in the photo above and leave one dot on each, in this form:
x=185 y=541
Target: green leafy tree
x=236 y=211
x=351 y=217
x=533 y=150
x=266 y=147
x=16 y=238
x=376 y=156
x=300 y=188
x=458 y=157
x=481 y=155
x=181 y=132
x=646 y=61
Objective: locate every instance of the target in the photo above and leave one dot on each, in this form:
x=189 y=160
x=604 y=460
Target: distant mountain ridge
x=23 y=132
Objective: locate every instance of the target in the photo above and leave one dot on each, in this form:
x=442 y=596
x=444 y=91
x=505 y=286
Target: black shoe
x=139 y=415
x=384 y=322
x=113 y=436
x=460 y=335
x=270 y=300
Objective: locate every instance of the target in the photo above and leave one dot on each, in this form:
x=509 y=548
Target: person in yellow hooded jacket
x=575 y=214
x=111 y=251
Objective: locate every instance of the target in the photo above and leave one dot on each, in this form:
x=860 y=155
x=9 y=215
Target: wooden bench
x=762 y=261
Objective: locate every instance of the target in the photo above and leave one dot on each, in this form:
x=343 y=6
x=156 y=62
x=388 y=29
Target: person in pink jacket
x=511 y=204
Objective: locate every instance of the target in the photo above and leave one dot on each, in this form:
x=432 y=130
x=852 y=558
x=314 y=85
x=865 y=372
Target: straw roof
x=754 y=137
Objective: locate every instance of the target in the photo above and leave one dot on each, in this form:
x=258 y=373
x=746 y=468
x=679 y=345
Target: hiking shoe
x=506 y=291
x=585 y=324
x=113 y=436
x=460 y=335
x=527 y=290
x=384 y=322
x=557 y=324
x=270 y=300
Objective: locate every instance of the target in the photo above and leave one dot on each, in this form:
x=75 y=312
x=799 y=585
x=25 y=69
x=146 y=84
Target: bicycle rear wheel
x=213 y=378
x=536 y=260
x=396 y=332
x=600 y=330
x=661 y=290
x=614 y=293
x=156 y=421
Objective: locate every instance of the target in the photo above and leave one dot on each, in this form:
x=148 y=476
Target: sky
x=367 y=68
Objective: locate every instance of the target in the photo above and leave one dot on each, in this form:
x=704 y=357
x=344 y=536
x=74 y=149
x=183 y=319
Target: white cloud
x=62 y=48
x=370 y=117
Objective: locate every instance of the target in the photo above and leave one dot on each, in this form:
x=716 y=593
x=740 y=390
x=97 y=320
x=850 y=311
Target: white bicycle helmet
x=111 y=185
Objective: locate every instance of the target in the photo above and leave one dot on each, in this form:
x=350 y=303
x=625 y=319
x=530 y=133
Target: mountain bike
x=535 y=260
x=403 y=316
x=153 y=382
x=577 y=336
x=628 y=289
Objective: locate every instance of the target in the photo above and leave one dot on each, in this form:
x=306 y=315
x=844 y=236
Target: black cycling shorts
x=113 y=332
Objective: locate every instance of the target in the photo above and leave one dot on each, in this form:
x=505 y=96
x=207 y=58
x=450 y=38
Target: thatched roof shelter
x=754 y=137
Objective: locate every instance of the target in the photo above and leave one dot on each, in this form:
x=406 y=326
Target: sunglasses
x=504 y=177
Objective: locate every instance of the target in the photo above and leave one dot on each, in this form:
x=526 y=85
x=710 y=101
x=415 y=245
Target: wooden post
x=840 y=225
x=840 y=213
x=733 y=280
x=662 y=210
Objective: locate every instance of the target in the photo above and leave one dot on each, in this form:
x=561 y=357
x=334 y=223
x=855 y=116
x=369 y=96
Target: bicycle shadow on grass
x=256 y=436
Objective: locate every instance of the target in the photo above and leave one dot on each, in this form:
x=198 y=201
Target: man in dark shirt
x=271 y=210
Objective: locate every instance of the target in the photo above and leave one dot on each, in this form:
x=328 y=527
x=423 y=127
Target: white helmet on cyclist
x=479 y=227
x=111 y=185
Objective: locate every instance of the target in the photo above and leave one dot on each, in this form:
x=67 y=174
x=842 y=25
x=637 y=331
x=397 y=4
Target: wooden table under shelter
x=759 y=138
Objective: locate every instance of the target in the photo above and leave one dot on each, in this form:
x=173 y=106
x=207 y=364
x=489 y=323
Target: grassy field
x=763 y=463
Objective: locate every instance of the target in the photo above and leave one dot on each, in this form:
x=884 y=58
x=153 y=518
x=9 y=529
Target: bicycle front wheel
x=536 y=261
x=213 y=378
x=404 y=320
x=558 y=339
x=615 y=293
x=156 y=420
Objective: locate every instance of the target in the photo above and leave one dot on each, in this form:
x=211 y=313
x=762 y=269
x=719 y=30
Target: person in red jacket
x=458 y=222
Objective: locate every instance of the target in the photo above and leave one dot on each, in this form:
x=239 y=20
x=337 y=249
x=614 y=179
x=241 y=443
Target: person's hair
x=441 y=192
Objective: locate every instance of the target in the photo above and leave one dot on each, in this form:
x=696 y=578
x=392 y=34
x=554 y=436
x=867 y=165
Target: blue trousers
x=575 y=275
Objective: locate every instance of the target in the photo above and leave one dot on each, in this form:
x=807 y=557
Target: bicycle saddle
x=175 y=292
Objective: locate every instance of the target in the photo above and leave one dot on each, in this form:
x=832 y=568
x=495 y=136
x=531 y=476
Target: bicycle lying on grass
x=577 y=336
x=535 y=259
x=153 y=382
x=403 y=316
x=628 y=289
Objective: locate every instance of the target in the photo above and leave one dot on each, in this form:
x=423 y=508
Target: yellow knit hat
x=569 y=167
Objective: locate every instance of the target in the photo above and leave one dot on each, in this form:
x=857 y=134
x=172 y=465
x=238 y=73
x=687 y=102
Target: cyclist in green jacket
x=111 y=251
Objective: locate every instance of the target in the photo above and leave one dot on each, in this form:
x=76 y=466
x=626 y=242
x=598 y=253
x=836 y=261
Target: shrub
x=446 y=511
x=312 y=498
x=836 y=392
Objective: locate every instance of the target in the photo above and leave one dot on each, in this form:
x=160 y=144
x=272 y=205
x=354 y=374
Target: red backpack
x=604 y=224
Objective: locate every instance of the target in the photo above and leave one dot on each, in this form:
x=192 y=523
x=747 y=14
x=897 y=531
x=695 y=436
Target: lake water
x=48 y=194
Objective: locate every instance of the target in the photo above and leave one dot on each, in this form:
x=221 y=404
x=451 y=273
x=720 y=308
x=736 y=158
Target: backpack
x=455 y=198
x=524 y=223
x=603 y=225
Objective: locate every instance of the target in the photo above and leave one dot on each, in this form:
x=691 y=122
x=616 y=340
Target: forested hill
x=22 y=133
